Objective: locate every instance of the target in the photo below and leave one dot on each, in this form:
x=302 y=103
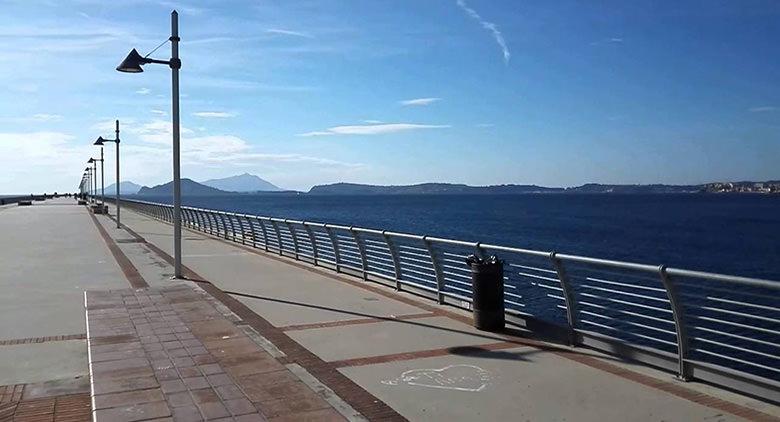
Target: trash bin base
x=489 y=320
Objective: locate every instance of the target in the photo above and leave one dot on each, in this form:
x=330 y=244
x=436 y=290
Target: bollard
x=487 y=283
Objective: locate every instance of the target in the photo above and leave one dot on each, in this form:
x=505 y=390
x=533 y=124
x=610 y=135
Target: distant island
x=252 y=184
x=242 y=183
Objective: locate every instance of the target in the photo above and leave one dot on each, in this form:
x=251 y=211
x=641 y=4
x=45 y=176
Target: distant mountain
x=242 y=183
x=427 y=189
x=188 y=188
x=125 y=188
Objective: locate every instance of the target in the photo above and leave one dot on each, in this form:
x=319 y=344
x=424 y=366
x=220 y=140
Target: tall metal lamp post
x=101 y=141
x=132 y=64
x=88 y=191
x=94 y=162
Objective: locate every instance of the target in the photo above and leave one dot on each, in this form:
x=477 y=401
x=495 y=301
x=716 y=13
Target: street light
x=94 y=162
x=88 y=171
x=100 y=141
x=132 y=64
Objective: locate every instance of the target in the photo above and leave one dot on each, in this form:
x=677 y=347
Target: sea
x=735 y=234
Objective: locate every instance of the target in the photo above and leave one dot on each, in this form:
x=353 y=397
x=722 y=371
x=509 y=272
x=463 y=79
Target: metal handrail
x=595 y=300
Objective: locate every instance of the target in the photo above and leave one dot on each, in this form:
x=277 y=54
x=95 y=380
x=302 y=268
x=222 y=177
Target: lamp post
x=88 y=171
x=100 y=141
x=132 y=64
x=102 y=179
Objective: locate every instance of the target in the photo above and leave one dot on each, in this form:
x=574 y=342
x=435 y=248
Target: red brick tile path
x=128 y=269
x=31 y=340
x=70 y=408
x=169 y=352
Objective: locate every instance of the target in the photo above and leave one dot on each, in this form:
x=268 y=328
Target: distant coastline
x=192 y=188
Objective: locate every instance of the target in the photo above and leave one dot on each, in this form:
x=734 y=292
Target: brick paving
x=172 y=353
x=69 y=408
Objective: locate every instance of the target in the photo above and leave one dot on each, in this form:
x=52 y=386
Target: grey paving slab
x=384 y=338
x=287 y=296
x=38 y=362
x=49 y=254
x=514 y=385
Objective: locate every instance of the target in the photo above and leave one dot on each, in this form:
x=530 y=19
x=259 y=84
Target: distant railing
x=724 y=329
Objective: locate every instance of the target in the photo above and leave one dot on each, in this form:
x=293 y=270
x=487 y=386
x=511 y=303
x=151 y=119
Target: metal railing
x=722 y=329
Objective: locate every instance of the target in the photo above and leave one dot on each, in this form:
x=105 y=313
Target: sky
x=307 y=92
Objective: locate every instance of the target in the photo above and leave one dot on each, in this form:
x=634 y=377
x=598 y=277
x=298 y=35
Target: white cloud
x=277 y=31
x=373 y=122
x=44 y=117
x=493 y=28
x=485 y=125
x=143 y=91
x=374 y=129
x=213 y=114
x=159 y=112
x=420 y=101
x=763 y=109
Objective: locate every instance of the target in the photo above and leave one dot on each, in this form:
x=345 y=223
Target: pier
x=94 y=327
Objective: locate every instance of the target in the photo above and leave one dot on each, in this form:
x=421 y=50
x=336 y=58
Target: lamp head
x=132 y=63
x=91 y=160
x=99 y=141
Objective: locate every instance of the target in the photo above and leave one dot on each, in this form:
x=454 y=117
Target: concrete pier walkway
x=285 y=341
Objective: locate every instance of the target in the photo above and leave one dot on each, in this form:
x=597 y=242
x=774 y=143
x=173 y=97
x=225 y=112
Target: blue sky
x=303 y=92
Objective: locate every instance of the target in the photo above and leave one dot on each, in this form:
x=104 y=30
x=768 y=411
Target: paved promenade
x=256 y=335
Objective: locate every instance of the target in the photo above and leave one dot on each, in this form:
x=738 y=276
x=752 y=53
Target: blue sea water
x=735 y=234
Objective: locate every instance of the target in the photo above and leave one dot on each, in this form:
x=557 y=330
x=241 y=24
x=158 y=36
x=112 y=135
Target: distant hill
x=188 y=188
x=242 y=183
x=125 y=188
x=635 y=189
x=427 y=189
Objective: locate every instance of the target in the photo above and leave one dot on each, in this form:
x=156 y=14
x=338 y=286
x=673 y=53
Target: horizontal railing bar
x=733 y=359
x=731 y=346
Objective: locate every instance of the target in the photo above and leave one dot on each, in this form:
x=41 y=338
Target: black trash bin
x=487 y=283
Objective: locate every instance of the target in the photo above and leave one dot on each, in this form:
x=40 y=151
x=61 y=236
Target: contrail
x=487 y=25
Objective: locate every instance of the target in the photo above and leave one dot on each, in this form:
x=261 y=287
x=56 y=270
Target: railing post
x=334 y=240
x=224 y=225
x=568 y=297
x=252 y=229
x=278 y=237
x=395 y=258
x=294 y=238
x=685 y=369
x=313 y=242
x=241 y=219
x=201 y=220
x=436 y=269
x=265 y=233
x=362 y=250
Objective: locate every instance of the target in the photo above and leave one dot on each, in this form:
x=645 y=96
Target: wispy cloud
x=45 y=117
x=491 y=27
x=213 y=114
x=419 y=101
x=613 y=40
x=144 y=91
x=159 y=112
x=763 y=109
x=373 y=129
x=277 y=31
x=484 y=125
